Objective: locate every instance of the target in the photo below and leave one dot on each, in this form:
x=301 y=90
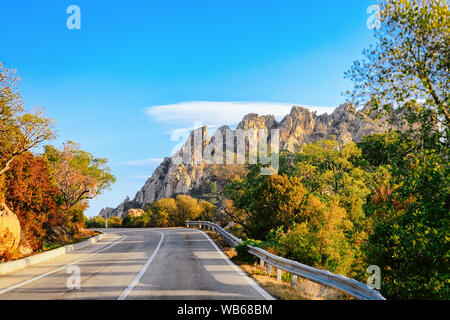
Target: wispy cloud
x=143 y=163
x=221 y=113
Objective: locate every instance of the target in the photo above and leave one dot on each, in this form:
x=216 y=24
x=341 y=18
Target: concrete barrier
x=18 y=264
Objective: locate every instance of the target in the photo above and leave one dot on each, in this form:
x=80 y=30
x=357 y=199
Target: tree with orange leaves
x=79 y=176
x=31 y=194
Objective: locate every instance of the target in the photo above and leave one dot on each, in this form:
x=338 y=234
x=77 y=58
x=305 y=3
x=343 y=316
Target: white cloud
x=221 y=113
x=143 y=163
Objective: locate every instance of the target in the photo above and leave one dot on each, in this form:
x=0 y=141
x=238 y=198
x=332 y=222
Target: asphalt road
x=136 y=264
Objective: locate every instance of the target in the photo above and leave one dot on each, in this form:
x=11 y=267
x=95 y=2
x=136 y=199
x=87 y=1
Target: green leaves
x=409 y=64
x=408 y=72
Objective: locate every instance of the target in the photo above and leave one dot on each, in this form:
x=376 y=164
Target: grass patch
x=56 y=245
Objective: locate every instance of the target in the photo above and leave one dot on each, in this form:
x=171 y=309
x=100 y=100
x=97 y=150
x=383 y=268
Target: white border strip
x=60 y=268
x=128 y=290
x=26 y=262
x=255 y=286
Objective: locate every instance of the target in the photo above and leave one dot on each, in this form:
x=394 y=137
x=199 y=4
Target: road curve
x=160 y=263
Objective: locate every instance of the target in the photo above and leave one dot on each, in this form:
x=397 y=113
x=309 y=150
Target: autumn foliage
x=31 y=194
x=47 y=192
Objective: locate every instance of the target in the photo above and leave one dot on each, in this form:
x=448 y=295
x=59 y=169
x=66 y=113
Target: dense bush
x=411 y=222
x=167 y=212
x=31 y=194
x=114 y=222
x=95 y=222
x=338 y=209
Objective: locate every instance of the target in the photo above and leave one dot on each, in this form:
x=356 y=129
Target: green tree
x=114 y=222
x=389 y=148
x=208 y=211
x=187 y=209
x=328 y=171
x=321 y=239
x=407 y=71
x=95 y=222
x=408 y=68
x=164 y=212
x=263 y=203
x=410 y=239
x=280 y=201
x=159 y=216
x=240 y=204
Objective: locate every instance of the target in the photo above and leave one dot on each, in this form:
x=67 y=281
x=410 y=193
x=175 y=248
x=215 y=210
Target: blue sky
x=123 y=83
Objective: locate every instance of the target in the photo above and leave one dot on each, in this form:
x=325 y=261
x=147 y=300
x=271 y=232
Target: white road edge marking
x=60 y=268
x=255 y=286
x=127 y=291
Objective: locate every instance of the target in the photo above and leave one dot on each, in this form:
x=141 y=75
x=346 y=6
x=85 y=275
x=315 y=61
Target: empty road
x=158 y=264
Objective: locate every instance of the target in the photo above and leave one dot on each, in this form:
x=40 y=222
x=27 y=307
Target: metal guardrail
x=234 y=241
x=339 y=282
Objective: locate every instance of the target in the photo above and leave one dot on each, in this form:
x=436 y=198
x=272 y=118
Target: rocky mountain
x=180 y=174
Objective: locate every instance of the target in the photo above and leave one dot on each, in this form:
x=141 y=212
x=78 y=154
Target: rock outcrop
x=9 y=230
x=134 y=213
x=300 y=126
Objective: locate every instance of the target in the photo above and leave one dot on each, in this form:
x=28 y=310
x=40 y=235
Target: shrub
x=242 y=250
x=30 y=193
x=114 y=222
x=96 y=222
x=187 y=209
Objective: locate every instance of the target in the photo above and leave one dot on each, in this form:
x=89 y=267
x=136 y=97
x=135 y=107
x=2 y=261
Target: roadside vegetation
x=44 y=189
x=162 y=213
x=384 y=201
x=304 y=289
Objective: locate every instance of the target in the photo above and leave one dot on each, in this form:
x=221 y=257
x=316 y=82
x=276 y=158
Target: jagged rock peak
x=299 y=127
x=255 y=121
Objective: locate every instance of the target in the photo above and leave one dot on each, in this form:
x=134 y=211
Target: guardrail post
x=261 y=263
x=294 y=281
x=279 y=271
x=269 y=269
x=322 y=292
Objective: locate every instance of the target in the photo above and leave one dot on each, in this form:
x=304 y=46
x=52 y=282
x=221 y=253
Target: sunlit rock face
x=299 y=127
x=9 y=230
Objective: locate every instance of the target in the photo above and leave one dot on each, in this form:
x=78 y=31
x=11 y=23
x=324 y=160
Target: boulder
x=9 y=230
